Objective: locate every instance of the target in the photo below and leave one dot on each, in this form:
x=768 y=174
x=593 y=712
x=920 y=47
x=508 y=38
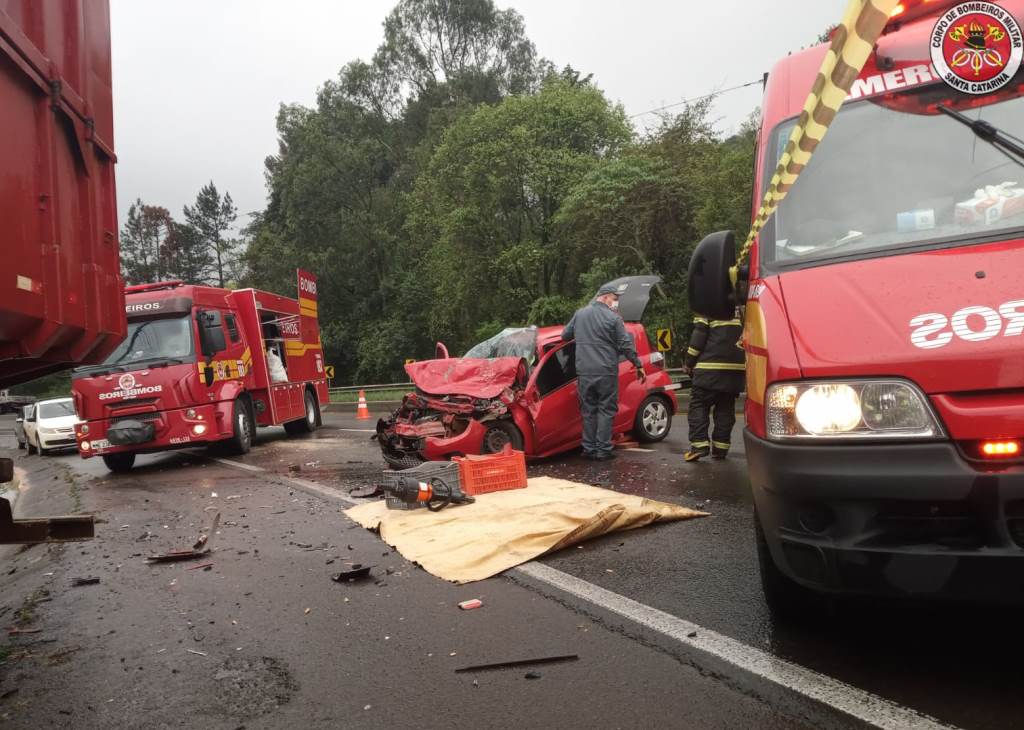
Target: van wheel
x=501 y=433
x=653 y=419
x=21 y=444
x=306 y=424
x=30 y=447
x=243 y=428
x=120 y=462
x=786 y=598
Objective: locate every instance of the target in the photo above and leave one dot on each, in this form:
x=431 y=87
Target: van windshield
x=895 y=172
x=149 y=342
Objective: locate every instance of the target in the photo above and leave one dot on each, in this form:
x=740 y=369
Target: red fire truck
x=884 y=320
x=202 y=365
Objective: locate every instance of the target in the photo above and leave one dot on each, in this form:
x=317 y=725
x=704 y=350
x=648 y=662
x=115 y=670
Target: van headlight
x=867 y=409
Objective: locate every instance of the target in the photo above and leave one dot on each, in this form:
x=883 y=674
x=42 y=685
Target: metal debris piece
x=201 y=566
x=356 y=572
x=176 y=555
x=85 y=582
x=197 y=653
x=17 y=632
x=520 y=663
x=204 y=538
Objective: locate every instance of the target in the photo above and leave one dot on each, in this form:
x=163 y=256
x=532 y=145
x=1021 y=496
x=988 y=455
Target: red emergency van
x=884 y=321
x=202 y=365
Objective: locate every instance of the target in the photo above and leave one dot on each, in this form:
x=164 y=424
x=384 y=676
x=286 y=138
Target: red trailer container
x=61 y=294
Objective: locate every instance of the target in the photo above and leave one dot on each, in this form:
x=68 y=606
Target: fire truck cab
x=884 y=322
x=202 y=365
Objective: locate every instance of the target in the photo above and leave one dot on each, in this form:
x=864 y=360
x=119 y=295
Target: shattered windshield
x=895 y=172
x=510 y=342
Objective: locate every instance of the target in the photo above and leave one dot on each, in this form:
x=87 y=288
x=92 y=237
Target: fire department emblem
x=976 y=47
x=126 y=381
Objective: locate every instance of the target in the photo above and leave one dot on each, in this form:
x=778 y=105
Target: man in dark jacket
x=715 y=361
x=601 y=339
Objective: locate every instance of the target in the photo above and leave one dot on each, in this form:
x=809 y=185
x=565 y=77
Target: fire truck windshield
x=896 y=172
x=150 y=342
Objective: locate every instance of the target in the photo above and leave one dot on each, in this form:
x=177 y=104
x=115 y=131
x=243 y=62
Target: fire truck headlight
x=199 y=429
x=190 y=413
x=849 y=409
x=85 y=446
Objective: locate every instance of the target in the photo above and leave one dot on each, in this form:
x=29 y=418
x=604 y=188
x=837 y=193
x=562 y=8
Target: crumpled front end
x=431 y=428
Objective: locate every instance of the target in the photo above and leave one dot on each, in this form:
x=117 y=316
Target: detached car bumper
x=901 y=520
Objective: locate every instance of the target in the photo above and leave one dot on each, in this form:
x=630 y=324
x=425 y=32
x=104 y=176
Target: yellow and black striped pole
x=852 y=42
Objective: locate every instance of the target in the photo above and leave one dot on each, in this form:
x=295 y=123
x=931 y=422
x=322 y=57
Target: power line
x=696 y=98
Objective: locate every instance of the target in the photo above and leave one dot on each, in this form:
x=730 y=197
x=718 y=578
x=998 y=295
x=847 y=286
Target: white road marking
x=238 y=464
x=804 y=682
x=356 y=430
x=304 y=484
x=854 y=702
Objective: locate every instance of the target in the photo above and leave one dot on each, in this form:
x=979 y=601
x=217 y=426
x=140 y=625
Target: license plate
x=100 y=444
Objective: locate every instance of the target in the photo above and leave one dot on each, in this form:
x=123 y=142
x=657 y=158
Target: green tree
x=146 y=240
x=484 y=210
x=210 y=218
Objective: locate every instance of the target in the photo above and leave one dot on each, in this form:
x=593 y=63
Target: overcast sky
x=197 y=83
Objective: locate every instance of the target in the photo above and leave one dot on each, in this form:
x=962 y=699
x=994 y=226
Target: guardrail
x=353 y=390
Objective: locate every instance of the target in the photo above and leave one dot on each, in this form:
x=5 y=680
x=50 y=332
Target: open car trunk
x=634 y=294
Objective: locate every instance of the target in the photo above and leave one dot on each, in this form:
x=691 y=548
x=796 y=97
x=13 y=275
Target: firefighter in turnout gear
x=715 y=362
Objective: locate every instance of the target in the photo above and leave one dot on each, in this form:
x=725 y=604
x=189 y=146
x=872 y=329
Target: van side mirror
x=211 y=332
x=709 y=287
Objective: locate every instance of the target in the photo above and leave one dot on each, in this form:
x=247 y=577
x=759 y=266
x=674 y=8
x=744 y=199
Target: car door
x=30 y=425
x=552 y=401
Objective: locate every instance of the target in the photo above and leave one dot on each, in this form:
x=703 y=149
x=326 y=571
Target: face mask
x=614 y=305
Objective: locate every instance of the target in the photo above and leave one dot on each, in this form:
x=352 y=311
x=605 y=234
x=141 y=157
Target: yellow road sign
x=329 y=371
x=664 y=339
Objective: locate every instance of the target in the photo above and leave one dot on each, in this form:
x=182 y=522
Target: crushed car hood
x=472 y=377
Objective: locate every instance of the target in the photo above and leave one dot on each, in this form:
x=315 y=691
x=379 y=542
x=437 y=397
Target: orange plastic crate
x=493 y=472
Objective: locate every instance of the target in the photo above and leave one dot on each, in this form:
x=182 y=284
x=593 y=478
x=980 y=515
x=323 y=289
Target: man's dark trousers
x=599 y=402
x=703 y=403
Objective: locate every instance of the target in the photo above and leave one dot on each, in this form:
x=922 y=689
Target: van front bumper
x=901 y=520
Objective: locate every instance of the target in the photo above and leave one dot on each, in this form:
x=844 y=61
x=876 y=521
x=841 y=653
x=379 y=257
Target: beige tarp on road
x=504 y=529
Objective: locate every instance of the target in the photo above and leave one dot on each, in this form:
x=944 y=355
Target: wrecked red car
x=519 y=388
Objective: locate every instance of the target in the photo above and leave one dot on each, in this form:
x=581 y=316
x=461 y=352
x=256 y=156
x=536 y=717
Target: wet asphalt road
x=955 y=663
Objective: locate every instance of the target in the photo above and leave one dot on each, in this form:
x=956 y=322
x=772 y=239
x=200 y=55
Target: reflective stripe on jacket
x=716 y=354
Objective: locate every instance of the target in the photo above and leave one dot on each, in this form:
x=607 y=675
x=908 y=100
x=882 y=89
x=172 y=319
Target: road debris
x=373 y=491
x=84 y=582
x=17 y=632
x=532 y=675
x=471 y=604
x=197 y=653
x=307 y=611
x=518 y=663
x=199 y=549
x=201 y=566
x=356 y=572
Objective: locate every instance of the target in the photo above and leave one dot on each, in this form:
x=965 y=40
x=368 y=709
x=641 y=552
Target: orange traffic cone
x=362 y=412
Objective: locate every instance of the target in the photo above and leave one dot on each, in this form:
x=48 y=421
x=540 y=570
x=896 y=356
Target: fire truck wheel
x=306 y=424
x=241 y=438
x=118 y=463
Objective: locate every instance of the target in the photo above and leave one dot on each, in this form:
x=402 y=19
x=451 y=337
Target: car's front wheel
x=500 y=434
x=653 y=419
